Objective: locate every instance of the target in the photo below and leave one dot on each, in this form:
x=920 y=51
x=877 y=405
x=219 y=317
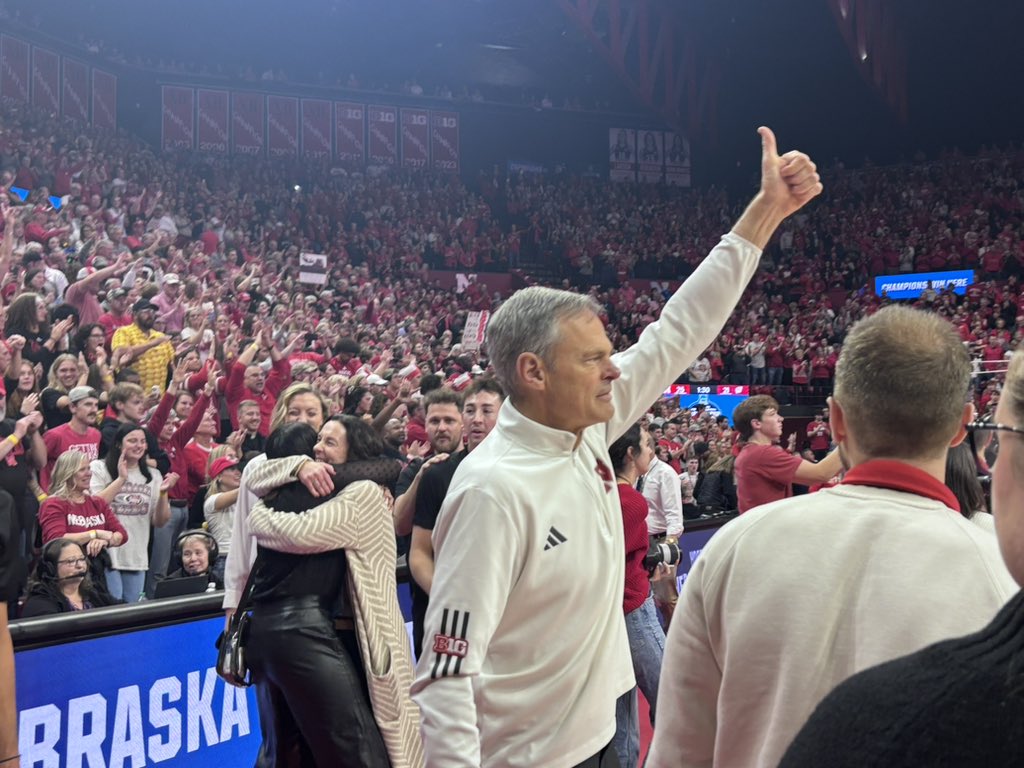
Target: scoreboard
x=719 y=399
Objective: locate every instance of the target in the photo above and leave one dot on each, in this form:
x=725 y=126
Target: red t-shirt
x=764 y=473
x=63 y=439
x=820 y=435
x=634 y=525
x=59 y=517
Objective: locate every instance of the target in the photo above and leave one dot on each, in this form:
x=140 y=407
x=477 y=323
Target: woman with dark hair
x=22 y=392
x=137 y=493
x=631 y=456
x=27 y=316
x=61 y=583
x=89 y=340
x=358 y=401
x=962 y=480
x=327 y=635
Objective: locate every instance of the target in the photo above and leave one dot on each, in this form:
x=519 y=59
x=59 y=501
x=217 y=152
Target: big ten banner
x=350 y=133
x=14 y=77
x=383 y=144
x=179 y=118
x=316 y=129
x=46 y=80
x=212 y=121
x=622 y=154
x=651 y=157
x=415 y=138
x=75 y=104
x=143 y=698
x=444 y=141
x=677 y=159
x=104 y=100
x=282 y=126
x=248 y=131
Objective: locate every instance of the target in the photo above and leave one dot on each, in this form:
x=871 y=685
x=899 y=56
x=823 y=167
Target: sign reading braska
x=133 y=700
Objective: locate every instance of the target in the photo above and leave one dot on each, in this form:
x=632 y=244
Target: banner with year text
x=316 y=129
x=282 y=126
x=383 y=144
x=248 y=130
x=444 y=141
x=76 y=91
x=178 y=123
x=46 y=80
x=350 y=133
x=104 y=100
x=415 y=138
x=212 y=121
x=14 y=81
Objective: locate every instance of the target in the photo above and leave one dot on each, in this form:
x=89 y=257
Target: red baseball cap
x=219 y=465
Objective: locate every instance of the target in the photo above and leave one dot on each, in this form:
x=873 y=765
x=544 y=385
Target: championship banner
x=316 y=129
x=349 y=132
x=282 y=126
x=622 y=154
x=104 y=100
x=313 y=268
x=75 y=104
x=248 y=134
x=651 y=157
x=46 y=80
x=415 y=138
x=475 y=331
x=912 y=285
x=383 y=142
x=677 y=160
x=14 y=81
x=444 y=141
x=178 y=108
x=212 y=121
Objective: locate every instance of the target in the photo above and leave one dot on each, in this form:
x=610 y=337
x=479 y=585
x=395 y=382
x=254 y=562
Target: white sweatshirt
x=525 y=643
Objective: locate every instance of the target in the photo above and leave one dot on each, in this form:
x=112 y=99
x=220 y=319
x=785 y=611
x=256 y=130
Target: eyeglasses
x=986 y=426
x=73 y=561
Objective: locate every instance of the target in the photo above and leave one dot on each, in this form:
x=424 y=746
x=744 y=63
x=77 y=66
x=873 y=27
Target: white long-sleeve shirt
x=526 y=649
x=790 y=599
x=664 y=499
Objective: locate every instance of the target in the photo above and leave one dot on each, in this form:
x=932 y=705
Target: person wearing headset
x=61 y=583
x=197 y=550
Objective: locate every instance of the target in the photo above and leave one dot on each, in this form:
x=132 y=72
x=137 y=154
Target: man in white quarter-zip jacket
x=525 y=648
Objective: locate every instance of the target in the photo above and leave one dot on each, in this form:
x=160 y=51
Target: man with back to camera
x=525 y=636
x=480 y=408
x=765 y=472
x=792 y=598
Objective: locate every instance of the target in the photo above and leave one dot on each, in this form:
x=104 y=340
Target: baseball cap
x=77 y=394
x=222 y=463
x=143 y=304
x=375 y=381
x=117 y=293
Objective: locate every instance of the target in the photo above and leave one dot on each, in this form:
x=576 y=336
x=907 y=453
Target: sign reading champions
x=133 y=700
x=911 y=286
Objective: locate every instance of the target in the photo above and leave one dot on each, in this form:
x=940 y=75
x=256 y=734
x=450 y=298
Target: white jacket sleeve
x=242 y=554
x=689 y=322
x=478 y=558
x=690 y=682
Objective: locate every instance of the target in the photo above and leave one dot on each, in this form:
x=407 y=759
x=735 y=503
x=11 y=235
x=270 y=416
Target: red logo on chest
x=605 y=473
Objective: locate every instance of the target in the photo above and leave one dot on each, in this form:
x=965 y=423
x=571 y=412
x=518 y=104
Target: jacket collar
x=898 y=476
x=533 y=435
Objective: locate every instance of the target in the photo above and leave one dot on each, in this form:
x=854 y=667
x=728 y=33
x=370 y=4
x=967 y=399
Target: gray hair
x=528 y=322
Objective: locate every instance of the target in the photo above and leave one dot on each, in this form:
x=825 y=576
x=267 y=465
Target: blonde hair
x=299 y=388
x=68 y=463
x=216 y=453
x=51 y=380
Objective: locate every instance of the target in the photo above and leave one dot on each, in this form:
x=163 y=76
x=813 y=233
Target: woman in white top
x=219 y=507
x=138 y=495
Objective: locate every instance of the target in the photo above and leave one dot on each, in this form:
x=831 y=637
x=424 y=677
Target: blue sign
x=132 y=700
x=691 y=544
x=911 y=286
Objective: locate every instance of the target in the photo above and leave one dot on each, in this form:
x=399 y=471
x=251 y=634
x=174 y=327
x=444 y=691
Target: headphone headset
x=211 y=544
x=47 y=568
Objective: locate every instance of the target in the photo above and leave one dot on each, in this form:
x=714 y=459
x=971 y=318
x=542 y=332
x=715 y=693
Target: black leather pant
x=311 y=690
x=606 y=758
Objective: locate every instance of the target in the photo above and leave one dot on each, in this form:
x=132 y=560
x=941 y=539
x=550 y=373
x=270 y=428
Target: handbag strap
x=246 y=598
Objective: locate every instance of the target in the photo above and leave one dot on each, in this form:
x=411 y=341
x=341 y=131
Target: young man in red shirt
x=79 y=434
x=765 y=472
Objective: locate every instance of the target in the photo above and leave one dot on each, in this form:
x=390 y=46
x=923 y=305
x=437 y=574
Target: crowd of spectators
x=160 y=297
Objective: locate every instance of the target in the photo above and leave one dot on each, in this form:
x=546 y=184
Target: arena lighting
x=297 y=188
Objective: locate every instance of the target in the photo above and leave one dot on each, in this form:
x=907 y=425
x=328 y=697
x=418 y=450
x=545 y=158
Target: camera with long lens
x=661 y=552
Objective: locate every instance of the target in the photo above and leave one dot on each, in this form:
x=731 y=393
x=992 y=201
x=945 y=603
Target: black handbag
x=231 y=665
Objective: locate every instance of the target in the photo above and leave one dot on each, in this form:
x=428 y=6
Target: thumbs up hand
x=788 y=181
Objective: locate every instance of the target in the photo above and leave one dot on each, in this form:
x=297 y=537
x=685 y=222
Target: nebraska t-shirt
x=764 y=473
